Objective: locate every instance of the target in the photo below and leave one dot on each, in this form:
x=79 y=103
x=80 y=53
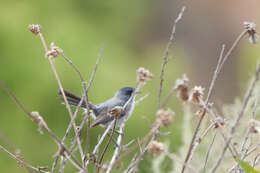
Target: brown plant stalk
x=219 y=66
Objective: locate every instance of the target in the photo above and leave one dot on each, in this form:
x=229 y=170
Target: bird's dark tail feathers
x=74 y=100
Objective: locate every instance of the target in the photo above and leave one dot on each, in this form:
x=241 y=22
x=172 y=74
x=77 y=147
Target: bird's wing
x=102 y=118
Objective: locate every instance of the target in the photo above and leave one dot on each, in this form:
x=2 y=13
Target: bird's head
x=124 y=93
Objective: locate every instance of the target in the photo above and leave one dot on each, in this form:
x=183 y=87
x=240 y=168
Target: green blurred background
x=134 y=33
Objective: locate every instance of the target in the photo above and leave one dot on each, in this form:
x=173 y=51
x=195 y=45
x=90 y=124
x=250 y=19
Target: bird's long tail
x=74 y=100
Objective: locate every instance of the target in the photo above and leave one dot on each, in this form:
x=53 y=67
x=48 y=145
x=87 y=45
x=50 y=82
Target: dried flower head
x=196 y=94
x=54 y=52
x=143 y=75
x=251 y=30
x=35 y=29
x=221 y=121
x=92 y=158
x=254 y=126
x=156 y=147
x=182 y=86
x=116 y=111
x=164 y=118
x=37 y=118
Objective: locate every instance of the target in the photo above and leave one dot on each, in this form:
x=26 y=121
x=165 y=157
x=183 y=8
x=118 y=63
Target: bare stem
x=212 y=84
x=50 y=58
x=240 y=115
x=15 y=99
x=118 y=149
x=54 y=137
x=94 y=152
x=87 y=103
x=108 y=143
x=166 y=100
x=20 y=161
x=166 y=54
x=208 y=152
x=244 y=150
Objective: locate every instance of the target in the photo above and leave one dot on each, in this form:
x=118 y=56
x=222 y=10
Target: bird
x=101 y=111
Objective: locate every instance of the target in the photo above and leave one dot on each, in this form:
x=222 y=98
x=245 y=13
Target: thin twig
x=74 y=67
x=140 y=157
x=133 y=159
x=155 y=127
x=166 y=100
x=206 y=132
x=8 y=143
x=74 y=115
x=208 y=152
x=118 y=149
x=108 y=143
x=248 y=132
x=256 y=160
x=85 y=98
x=20 y=161
x=217 y=71
x=215 y=118
x=94 y=152
x=142 y=98
x=144 y=141
x=240 y=115
x=15 y=99
x=86 y=94
x=54 y=137
x=66 y=134
x=212 y=83
x=50 y=58
x=239 y=38
x=243 y=154
x=166 y=54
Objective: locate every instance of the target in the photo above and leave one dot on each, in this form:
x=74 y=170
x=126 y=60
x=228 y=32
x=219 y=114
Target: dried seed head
x=92 y=158
x=251 y=30
x=116 y=111
x=254 y=126
x=220 y=121
x=164 y=118
x=37 y=118
x=196 y=94
x=156 y=147
x=35 y=29
x=54 y=52
x=143 y=75
x=182 y=86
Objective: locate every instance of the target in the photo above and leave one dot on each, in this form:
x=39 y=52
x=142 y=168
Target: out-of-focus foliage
x=246 y=166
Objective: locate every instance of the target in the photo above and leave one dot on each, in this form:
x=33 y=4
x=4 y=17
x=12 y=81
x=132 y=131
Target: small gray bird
x=100 y=111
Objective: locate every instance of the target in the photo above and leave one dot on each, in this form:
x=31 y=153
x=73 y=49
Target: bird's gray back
x=109 y=104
